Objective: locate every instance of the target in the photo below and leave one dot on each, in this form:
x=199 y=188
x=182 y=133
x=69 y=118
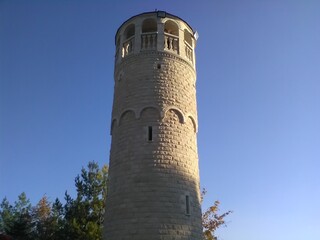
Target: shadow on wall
x=161 y=184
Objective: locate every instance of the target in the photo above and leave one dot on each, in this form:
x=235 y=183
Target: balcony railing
x=171 y=43
x=149 y=41
x=128 y=46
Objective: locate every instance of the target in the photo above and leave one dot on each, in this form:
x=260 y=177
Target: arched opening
x=188 y=37
x=130 y=31
x=171 y=36
x=149 y=34
x=149 y=25
x=128 y=44
x=171 y=27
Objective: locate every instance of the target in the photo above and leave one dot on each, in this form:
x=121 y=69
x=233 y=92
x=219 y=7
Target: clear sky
x=258 y=86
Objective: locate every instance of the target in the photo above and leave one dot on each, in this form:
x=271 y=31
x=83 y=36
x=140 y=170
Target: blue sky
x=258 y=86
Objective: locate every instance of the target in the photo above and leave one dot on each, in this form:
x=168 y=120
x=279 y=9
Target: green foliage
x=80 y=218
x=212 y=219
x=6 y=215
x=84 y=215
x=57 y=216
x=16 y=220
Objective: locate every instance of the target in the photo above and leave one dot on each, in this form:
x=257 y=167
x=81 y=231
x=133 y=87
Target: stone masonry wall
x=154 y=79
x=150 y=180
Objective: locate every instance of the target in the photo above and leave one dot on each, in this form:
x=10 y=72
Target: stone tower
x=153 y=190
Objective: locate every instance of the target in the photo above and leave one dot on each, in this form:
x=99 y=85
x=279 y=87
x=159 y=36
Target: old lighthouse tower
x=153 y=190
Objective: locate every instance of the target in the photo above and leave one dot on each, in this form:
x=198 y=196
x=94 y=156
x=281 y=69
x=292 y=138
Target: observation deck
x=155 y=31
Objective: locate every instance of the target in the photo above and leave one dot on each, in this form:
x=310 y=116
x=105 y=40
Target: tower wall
x=153 y=190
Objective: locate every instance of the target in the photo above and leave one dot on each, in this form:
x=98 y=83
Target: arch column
x=137 y=37
x=182 y=49
x=119 y=53
x=193 y=52
x=160 y=39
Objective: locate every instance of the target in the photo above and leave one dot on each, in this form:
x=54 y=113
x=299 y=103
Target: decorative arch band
x=183 y=117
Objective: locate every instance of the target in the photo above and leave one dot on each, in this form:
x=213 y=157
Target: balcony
x=149 y=41
x=128 y=47
x=155 y=31
x=171 y=43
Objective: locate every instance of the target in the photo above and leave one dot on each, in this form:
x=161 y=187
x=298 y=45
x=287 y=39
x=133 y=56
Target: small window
x=187 y=205
x=149 y=133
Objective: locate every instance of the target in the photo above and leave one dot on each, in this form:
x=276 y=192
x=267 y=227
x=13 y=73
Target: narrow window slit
x=150 y=133
x=187 y=205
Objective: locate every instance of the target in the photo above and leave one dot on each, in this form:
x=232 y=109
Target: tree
x=6 y=215
x=84 y=215
x=58 y=220
x=80 y=218
x=212 y=219
x=44 y=223
x=16 y=220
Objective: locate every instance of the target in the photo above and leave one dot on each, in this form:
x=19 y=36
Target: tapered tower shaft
x=153 y=190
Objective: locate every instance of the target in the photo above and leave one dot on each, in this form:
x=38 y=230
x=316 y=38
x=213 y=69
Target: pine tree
x=17 y=219
x=43 y=220
x=58 y=220
x=84 y=215
x=6 y=216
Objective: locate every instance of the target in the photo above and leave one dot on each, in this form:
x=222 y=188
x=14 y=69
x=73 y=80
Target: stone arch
x=149 y=107
x=124 y=113
x=149 y=25
x=188 y=37
x=149 y=34
x=177 y=111
x=114 y=123
x=129 y=31
x=194 y=123
x=171 y=27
